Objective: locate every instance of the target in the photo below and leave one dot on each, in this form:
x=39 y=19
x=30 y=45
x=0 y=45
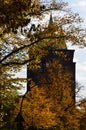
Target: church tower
x=58 y=53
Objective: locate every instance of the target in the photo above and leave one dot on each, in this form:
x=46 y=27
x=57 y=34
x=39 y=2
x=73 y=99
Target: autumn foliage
x=23 y=41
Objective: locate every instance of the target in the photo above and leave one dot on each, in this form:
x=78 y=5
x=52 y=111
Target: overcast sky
x=78 y=6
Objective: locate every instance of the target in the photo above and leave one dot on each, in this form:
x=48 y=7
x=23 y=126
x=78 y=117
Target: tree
x=11 y=13
x=8 y=96
x=34 y=9
x=15 y=15
x=82 y=106
x=51 y=106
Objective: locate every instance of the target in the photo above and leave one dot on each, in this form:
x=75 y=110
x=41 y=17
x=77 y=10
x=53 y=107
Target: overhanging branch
x=25 y=46
x=17 y=63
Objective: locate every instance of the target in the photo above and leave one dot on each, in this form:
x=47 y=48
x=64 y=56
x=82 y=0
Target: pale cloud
x=82 y=3
x=82 y=66
x=79 y=5
x=21 y=74
x=81 y=72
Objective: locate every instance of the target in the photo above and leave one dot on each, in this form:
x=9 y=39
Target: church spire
x=51 y=19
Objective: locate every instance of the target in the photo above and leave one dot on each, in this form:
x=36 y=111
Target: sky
x=77 y=6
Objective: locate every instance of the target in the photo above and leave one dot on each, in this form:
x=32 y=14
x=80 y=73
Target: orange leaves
x=52 y=105
x=38 y=110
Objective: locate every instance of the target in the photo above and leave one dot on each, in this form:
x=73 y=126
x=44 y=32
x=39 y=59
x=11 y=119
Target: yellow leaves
x=51 y=105
x=36 y=109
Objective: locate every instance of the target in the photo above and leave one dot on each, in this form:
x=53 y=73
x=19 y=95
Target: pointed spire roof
x=51 y=19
